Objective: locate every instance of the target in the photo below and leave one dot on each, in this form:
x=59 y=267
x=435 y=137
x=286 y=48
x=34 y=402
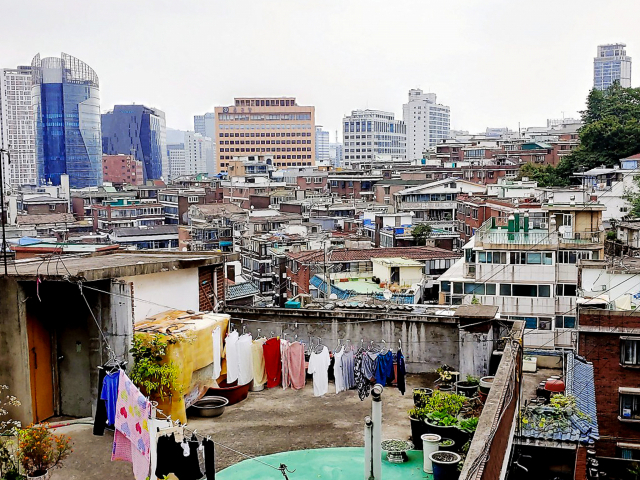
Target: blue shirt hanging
x=110 y=395
x=384 y=368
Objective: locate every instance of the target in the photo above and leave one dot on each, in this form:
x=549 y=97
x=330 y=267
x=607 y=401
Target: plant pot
x=445 y=465
x=429 y=445
x=466 y=389
x=417 y=396
x=485 y=384
x=40 y=476
x=461 y=437
x=446 y=388
x=444 y=432
x=418 y=428
x=482 y=396
x=448 y=448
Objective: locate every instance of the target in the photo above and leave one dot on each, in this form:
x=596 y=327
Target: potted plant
x=420 y=396
x=9 y=467
x=485 y=384
x=445 y=465
x=447 y=445
x=441 y=423
x=469 y=387
x=40 y=451
x=418 y=427
x=465 y=429
x=445 y=377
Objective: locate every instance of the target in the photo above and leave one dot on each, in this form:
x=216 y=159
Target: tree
x=420 y=233
x=611 y=131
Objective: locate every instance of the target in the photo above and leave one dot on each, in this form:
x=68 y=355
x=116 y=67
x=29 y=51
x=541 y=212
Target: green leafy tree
x=544 y=175
x=420 y=234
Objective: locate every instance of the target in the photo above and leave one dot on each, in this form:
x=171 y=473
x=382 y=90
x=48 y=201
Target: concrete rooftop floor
x=266 y=423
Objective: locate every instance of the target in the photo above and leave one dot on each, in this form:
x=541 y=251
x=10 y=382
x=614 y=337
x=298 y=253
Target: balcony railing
x=503 y=237
x=581 y=238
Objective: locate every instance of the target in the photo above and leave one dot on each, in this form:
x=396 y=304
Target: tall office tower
x=370 y=134
x=322 y=146
x=139 y=131
x=611 y=64
x=65 y=95
x=336 y=154
x=277 y=128
x=17 y=131
x=205 y=124
x=427 y=122
x=190 y=157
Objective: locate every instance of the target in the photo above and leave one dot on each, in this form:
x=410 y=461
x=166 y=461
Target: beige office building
x=276 y=128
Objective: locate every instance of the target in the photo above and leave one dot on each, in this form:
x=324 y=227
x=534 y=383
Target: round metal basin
x=210 y=406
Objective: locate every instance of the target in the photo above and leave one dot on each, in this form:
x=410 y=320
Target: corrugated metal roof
x=241 y=290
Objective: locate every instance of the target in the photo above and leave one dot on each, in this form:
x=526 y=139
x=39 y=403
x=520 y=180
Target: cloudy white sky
x=494 y=62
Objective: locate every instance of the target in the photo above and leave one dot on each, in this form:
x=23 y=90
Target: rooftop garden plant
x=151 y=372
x=552 y=417
x=40 y=450
x=442 y=419
x=472 y=380
x=445 y=374
x=469 y=425
x=9 y=467
x=447 y=442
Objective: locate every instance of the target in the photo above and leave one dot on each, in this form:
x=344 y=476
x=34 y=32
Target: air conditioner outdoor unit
x=544 y=225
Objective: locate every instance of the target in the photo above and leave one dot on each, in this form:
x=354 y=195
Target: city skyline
x=481 y=88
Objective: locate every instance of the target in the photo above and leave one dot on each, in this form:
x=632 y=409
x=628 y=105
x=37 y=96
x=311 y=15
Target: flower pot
x=485 y=384
x=461 y=437
x=446 y=388
x=429 y=445
x=40 y=476
x=448 y=448
x=482 y=396
x=445 y=465
x=444 y=432
x=466 y=389
x=418 y=393
x=418 y=428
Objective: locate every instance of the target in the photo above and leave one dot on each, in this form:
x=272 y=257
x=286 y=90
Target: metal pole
x=2 y=211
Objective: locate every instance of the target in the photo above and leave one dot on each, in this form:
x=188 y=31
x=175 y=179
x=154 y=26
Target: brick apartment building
x=473 y=211
x=122 y=169
x=354 y=184
x=610 y=339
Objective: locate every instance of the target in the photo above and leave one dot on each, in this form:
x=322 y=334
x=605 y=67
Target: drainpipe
x=373 y=437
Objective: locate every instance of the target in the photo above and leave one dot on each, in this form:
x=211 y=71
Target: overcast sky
x=494 y=62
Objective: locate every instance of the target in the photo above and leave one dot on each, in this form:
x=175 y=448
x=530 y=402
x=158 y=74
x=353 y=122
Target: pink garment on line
x=124 y=450
x=132 y=423
x=295 y=360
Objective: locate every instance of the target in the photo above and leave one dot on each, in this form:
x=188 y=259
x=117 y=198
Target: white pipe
x=368 y=434
x=376 y=413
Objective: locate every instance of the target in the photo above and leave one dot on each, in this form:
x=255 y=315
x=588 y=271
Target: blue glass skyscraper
x=65 y=96
x=140 y=131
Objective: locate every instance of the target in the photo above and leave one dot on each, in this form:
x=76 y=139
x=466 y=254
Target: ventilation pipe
x=373 y=437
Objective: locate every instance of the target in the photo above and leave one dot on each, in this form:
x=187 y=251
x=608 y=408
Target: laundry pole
x=373 y=437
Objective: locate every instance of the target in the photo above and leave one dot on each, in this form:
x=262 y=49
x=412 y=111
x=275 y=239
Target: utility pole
x=2 y=210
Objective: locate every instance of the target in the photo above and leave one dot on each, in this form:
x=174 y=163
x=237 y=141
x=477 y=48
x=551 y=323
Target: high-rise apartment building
x=427 y=122
x=205 y=124
x=277 y=128
x=611 y=64
x=190 y=157
x=322 y=146
x=65 y=96
x=370 y=134
x=17 y=132
x=139 y=131
x=336 y=154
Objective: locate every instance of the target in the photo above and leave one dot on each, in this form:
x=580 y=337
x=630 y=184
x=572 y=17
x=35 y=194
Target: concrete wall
x=476 y=349
x=175 y=289
x=427 y=341
x=14 y=350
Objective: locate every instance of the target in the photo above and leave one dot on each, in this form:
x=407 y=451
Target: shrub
x=40 y=450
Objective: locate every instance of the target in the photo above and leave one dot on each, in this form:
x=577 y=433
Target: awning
x=629 y=390
x=226 y=243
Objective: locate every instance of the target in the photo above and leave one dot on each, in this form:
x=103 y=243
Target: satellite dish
x=333 y=296
x=387 y=294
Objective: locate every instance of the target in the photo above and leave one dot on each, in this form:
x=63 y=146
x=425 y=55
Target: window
x=565 y=321
x=492 y=257
x=524 y=290
x=629 y=351
x=629 y=403
x=571 y=256
x=532 y=258
x=490 y=288
x=474 y=288
x=192 y=199
x=445 y=286
x=457 y=287
x=520 y=290
x=566 y=290
x=535 y=323
x=505 y=289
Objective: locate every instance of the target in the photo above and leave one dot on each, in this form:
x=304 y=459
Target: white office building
x=205 y=124
x=336 y=154
x=369 y=134
x=427 y=121
x=322 y=146
x=191 y=157
x=17 y=128
x=611 y=64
